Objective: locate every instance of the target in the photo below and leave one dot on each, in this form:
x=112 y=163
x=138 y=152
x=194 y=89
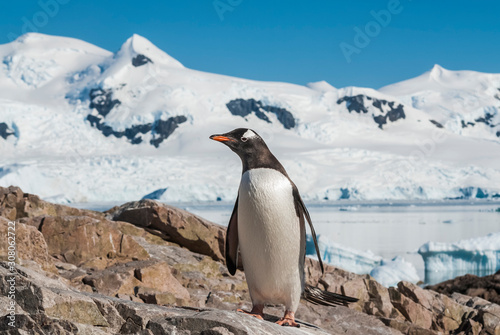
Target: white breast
x=270 y=238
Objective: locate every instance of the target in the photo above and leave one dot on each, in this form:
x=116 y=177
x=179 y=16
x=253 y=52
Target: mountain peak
x=437 y=67
x=437 y=71
x=37 y=44
x=137 y=45
x=321 y=86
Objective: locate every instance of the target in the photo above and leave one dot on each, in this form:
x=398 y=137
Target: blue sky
x=292 y=41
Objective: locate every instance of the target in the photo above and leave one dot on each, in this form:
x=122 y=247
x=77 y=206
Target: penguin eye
x=244 y=139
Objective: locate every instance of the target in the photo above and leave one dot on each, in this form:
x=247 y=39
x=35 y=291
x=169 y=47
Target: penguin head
x=244 y=142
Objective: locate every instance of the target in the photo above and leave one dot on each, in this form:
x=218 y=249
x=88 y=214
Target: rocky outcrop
x=15 y=204
x=437 y=124
x=245 y=107
x=174 y=225
x=102 y=102
x=88 y=242
x=160 y=130
x=487 y=287
x=162 y=272
x=388 y=110
x=131 y=133
x=30 y=246
x=5 y=131
x=48 y=306
x=140 y=60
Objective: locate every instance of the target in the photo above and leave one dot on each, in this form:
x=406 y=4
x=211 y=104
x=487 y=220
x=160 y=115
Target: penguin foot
x=288 y=320
x=257 y=311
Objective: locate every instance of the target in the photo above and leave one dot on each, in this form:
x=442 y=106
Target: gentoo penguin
x=267 y=227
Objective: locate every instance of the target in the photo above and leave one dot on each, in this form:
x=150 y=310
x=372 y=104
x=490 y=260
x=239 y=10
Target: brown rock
x=28 y=243
x=483 y=287
x=175 y=225
x=158 y=276
x=217 y=331
x=83 y=240
x=489 y=321
x=36 y=293
x=109 y=312
x=417 y=294
x=413 y=312
x=10 y=200
x=402 y=326
x=454 y=310
x=356 y=288
x=338 y=281
x=15 y=204
x=342 y=320
x=118 y=279
x=420 y=331
x=448 y=314
x=151 y=280
x=151 y=296
x=379 y=303
x=332 y=279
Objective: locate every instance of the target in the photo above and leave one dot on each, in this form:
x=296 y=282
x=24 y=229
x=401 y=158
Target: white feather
x=249 y=134
x=269 y=237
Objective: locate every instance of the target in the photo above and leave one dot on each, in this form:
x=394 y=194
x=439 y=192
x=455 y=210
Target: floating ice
x=386 y=272
x=349 y=259
x=477 y=255
x=390 y=273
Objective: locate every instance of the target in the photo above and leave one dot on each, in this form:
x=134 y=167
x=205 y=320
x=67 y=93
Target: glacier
x=479 y=255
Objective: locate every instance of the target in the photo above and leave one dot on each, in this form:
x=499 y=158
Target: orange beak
x=220 y=138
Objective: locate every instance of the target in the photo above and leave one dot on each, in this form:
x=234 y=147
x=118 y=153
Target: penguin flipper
x=232 y=241
x=301 y=210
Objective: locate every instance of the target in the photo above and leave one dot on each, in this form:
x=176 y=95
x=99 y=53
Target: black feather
x=319 y=297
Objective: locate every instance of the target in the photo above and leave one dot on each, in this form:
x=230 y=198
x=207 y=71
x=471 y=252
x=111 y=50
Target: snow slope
x=464 y=102
x=79 y=123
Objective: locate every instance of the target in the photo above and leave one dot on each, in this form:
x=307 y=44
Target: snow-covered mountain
x=79 y=123
x=464 y=102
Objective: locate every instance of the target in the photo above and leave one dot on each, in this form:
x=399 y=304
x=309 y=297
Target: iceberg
x=479 y=255
x=386 y=272
x=391 y=272
x=360 y=262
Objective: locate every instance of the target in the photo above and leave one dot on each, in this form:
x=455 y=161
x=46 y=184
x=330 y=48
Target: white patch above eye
x=249 y=134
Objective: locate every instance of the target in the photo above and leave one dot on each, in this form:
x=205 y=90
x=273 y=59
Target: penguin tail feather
x=319 y=297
